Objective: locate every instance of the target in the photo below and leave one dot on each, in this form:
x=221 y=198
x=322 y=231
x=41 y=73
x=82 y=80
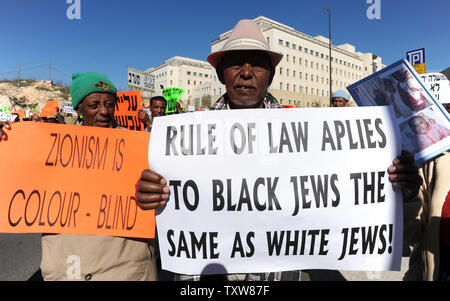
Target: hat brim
x=215 y=57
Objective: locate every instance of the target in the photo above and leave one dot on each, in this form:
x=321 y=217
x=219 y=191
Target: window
x=287 y=87
x=287 y=44
x=287 y=57
x=300 y=75
x=306 y=50
x=189 y=81
x=300 y=48
x=293 y=46
x=195 y=73
x=321 y=55
x=171 y=72
x=293 y=73
x=287 y=72
x=200 y=74
x=267 y=40
x=293 y=59
x=281 y=71
x=306 y=76
x=311 y=52
x=206 y=75
x=281 y=86
x=317 y=54
x=188 y=73
x=280 y=42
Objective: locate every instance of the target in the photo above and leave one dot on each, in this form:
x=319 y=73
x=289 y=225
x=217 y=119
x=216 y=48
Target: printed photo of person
x=424 y=130
x=410 y=90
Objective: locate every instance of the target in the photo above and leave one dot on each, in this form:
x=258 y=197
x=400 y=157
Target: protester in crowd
x=427 y=223
x=179 y=108
x=157 y=108
x=339 y=99
x=35 y=117
x=246 y=66
x=98 y=257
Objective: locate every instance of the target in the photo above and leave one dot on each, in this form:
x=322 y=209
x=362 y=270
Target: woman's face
x=97 y=109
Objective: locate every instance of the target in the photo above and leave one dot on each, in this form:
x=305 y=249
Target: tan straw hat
x=246 y=35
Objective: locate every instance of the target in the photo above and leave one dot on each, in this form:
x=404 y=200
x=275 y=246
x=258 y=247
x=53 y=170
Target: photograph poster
x=424 y=123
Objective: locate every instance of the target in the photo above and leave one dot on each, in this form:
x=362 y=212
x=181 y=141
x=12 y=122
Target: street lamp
x=329 y=47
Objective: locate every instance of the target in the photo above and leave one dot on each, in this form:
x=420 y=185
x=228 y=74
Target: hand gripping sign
x=73 y=179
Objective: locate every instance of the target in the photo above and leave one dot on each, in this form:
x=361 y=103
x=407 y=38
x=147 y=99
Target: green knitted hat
x=84 y=84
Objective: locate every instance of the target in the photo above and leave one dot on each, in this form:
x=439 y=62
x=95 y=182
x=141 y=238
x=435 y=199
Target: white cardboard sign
x=277 y=190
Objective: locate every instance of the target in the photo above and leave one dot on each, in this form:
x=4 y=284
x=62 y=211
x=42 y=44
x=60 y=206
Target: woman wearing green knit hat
x=87 y=257
x=94 y=98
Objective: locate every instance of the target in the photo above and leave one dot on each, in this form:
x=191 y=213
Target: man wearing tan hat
x=246 y=66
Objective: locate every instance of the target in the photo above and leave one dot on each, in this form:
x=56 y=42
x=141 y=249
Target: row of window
x=305 y=89
x=196 y=74
x=338 y=72
x=316 y=53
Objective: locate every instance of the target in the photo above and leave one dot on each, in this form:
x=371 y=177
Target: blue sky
x=114 y=34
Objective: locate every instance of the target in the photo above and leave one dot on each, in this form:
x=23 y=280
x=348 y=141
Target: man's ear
x=272 y=74
x=219 y=71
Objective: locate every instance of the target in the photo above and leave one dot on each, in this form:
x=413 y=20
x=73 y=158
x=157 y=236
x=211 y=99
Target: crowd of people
x=246 y=66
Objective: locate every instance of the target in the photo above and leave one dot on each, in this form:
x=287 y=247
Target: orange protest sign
x=49 y=109
x=73 y=179
x=21 y=113
x=127 y=107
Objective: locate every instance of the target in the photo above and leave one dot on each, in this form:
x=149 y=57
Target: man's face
x=339 y=102
x=97 y=109
x=246 y=76
x=158 y=108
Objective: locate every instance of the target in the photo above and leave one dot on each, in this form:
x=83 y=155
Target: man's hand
x=144 y=117
x=404 y=174
x=151 y=190
x=3 y=135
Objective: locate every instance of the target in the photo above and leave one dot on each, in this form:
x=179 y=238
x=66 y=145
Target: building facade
x=302 y=78
x=194 y=76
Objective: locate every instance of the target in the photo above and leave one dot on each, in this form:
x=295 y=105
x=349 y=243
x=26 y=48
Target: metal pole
x=329 y=45
x=18 y=80
x=50 y=72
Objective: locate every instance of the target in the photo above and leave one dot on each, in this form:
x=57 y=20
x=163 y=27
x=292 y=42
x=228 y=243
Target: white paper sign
x=277 y=190
x=7 y=117
x=438 y=84
x=68 y=108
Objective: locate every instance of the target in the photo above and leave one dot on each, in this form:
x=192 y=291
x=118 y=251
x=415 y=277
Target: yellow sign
x=420 y=68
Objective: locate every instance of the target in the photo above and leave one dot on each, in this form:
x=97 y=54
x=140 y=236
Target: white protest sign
x=438 y=84
x=68 y=108
x=277 y=190
x=7 y=117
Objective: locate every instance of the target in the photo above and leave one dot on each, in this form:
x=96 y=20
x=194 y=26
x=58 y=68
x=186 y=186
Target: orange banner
x=73 y=179
x=127 y=107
